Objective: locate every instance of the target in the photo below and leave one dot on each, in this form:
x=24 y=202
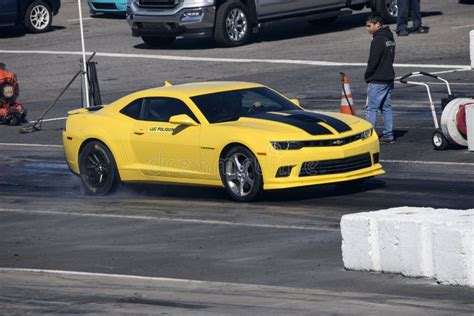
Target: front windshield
x=231 y=105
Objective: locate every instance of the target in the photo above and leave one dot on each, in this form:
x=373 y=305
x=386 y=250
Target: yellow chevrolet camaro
x=242 y=136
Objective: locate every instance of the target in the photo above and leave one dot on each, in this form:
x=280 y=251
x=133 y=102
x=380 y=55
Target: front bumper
x=151 y=23
x=108 y=6
x=296 y=159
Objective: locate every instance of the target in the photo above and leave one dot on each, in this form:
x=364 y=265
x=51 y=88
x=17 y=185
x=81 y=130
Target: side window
x=161 y=109
x=133 y=109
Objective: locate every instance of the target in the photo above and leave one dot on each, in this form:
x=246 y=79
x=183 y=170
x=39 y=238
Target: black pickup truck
x=35 y=15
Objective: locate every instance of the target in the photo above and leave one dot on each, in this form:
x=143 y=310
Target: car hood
x=300 y=123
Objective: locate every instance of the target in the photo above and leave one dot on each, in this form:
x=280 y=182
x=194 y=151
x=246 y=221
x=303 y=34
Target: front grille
x=160 y=26
x=323 y=167
x=158 y=4
x=104 y=6
x=332 y=142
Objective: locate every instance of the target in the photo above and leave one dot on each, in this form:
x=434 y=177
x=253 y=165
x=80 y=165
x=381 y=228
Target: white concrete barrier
x=416 y=242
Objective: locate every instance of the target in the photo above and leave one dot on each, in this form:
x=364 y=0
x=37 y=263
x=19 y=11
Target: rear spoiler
x=85 y=110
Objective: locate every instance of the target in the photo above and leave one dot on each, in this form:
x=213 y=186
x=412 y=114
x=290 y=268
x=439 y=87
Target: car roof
x=200 y=88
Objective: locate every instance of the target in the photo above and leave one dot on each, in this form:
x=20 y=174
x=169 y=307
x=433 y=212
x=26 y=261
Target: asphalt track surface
x=156 y=249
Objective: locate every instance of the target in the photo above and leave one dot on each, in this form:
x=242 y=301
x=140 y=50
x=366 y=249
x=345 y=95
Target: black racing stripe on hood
x=338 y=125
x=311 y=127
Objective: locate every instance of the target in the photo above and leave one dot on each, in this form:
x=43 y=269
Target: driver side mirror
x=183 y=119
x=296 y=101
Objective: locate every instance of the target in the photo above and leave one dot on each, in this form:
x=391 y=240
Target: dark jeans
x=405 y=8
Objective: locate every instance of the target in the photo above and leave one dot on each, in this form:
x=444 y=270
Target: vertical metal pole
x=84 y=62
x=471 y=40
x=470 y=126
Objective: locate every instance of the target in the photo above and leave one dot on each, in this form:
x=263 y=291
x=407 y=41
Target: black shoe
x=384 y=140
x=403 y=33
x=421 y=30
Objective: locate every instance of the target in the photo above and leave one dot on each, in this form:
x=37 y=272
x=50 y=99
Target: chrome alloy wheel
x=236 y=25
x=98 y=168
x=40 y=17
x=240 y=174
x=392 y=7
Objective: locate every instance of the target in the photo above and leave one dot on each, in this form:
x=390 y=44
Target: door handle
x=139 y=131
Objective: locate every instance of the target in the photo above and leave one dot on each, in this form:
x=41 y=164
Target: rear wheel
x=241 y=175
x=38 y=17
x=233 y=27
x=157 y=42
x=98 y=169
x=388 y=10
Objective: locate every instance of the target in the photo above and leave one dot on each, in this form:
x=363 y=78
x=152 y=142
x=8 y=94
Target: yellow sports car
x=242 y=136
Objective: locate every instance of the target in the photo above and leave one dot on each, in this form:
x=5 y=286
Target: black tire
x=38 y=17
x=240 y=31
x=14 y=120
x=387 y=9
x=97 y=169
x=157 y=42
x=245 y=184
x=440 y=142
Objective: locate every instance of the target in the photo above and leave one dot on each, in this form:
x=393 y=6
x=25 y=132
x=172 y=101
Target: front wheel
x=14 y=120
x=387 y=9
x=98 y=169
x=440 y=142
x=241 y=174
x=38 y=17
x=233 y=27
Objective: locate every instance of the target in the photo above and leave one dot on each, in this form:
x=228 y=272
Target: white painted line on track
x=122 y=276
x=451 y=71
x=413 y=162
x=77 y=20
x=461 y=27
x=233 y=60
x=443 y=84
x=31 y=145
x=147 y=278
x=439 y=73
x=173 y=220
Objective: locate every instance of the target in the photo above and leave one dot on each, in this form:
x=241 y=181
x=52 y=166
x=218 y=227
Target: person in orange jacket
x=11 y=112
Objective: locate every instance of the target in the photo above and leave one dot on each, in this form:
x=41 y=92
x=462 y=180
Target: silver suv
x=231 y=22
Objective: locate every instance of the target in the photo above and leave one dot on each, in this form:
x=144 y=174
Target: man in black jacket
x=380 y=75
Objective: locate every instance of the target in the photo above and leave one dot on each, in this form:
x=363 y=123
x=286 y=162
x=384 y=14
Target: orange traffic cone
x=347 y=103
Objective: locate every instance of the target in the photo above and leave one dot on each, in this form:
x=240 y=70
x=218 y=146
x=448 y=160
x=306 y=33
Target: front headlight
x=287 y=145
x=366 y=134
